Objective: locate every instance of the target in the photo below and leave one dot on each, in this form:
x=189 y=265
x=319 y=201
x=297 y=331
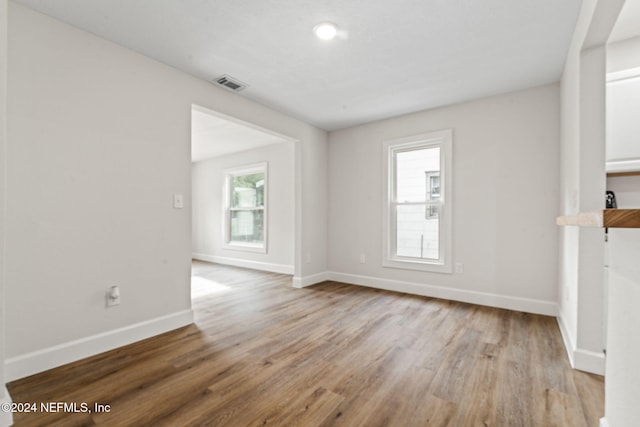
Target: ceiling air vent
x=230 y=83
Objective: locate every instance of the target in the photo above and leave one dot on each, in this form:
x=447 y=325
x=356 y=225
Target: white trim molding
x=237 y=262
x=58 y=355
x=580 y=359
x=528 y=305
x=6 y=418
x=566 y=338
x=301 y=282
x=589 y=361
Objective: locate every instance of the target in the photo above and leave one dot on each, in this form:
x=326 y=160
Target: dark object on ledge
x=611 y=200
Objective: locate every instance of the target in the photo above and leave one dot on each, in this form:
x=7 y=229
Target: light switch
x=178 y=201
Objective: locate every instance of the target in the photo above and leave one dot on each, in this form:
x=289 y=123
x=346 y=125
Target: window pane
x=247 y=190
x=247 y=226
x=411 y=168
x=418 y=231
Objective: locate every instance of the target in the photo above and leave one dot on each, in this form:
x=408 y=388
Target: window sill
x=405 y=264
x=246 y=247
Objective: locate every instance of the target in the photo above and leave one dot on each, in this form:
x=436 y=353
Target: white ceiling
x=394 y=57
x=213 y=136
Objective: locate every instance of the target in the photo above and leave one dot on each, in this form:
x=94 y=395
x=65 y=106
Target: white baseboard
x=301 y=282
x=548 y=308
x=566 y=338
x=42 y=360
x=589 y=361
x=580 y=359
x=236 y=262
x=6 y=418
x=603 y=422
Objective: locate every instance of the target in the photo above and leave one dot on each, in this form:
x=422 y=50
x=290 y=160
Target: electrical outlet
x=307 y=258
x=113 y=296
x=459 y=268
x=363 y=258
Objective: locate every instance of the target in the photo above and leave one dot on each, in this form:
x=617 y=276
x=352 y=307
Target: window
x=246 y=208
x=417 y=210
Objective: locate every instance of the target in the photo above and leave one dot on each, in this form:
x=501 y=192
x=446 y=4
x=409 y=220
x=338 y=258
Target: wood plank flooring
x=263 y=353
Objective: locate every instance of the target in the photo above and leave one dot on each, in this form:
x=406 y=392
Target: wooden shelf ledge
x=616 y=174
x=621 y=218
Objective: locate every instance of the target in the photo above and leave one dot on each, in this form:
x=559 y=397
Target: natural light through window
x=247 y=208
x=417 y=207
x=417 y=203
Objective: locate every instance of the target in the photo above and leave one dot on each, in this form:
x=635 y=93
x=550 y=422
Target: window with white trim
x=246 y=208
x=417 y=206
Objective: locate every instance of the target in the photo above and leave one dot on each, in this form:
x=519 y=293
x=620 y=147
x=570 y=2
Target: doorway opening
x=243 y=197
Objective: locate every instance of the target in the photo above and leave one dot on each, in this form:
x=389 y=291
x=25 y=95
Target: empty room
x=319 y=213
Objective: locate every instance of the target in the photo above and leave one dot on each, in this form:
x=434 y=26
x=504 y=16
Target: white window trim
x=444 y=140
x=245 y=170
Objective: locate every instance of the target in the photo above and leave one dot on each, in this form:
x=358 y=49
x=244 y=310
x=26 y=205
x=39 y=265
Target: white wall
x=5 y=417
x=98 y=142
x=590 y=339
x=569 y=184
x=627 y=191
x=505 y=177
x=208 y=180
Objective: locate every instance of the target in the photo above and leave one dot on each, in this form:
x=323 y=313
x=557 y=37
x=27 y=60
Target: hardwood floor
x=263 y=353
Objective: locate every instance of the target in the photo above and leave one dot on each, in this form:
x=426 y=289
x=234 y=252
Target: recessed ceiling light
x=325 y=30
